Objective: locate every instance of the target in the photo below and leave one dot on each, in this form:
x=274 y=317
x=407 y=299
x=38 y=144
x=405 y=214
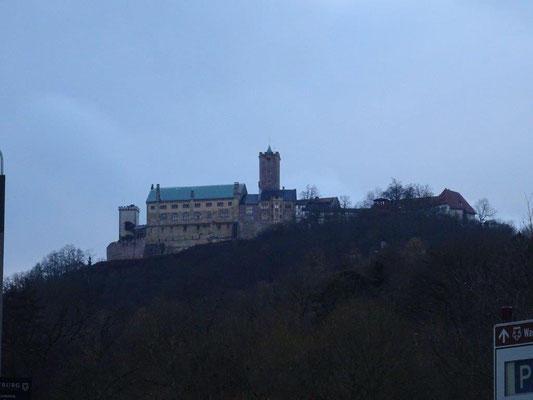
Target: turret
x=128 y=219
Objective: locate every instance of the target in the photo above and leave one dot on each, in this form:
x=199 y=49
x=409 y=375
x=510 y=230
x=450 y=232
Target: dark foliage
x=384 y=306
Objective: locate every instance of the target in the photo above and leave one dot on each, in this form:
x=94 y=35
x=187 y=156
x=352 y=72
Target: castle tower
x=269 y=170
x=128 y=218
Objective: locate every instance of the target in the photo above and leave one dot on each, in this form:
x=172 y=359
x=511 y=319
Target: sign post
x=513 y=360
x=2 y=214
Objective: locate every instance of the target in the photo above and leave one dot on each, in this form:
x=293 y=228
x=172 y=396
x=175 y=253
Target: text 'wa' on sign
x=513 y=334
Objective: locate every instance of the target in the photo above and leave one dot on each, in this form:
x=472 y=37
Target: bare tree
x=396 y=191
x=484 y=209
x=345 y=201
x=420 y=190
x=527 y=220
x=369 y=199
x=310 y=192
x=61 y=261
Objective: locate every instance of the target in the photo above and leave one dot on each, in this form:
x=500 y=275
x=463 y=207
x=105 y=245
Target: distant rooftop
x=250 y=199
x=455 y=200
x=195 y=192
x=448 y=197
x=265 y=195
x=285 y=194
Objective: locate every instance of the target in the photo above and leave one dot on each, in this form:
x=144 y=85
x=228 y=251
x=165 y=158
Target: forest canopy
x=380 y=306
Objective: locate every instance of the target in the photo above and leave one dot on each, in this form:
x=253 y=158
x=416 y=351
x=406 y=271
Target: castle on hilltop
x=181 y=217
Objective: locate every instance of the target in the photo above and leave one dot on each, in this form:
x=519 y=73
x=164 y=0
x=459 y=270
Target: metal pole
x=2 y=215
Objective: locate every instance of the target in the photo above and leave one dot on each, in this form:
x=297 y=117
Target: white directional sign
x=513 y=360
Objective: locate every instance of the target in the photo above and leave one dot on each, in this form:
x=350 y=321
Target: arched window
x=197 y=216
x=185 y=216
x=163 y=217
x=175 y=217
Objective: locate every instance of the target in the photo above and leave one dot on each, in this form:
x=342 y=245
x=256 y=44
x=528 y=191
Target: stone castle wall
x=126 y=249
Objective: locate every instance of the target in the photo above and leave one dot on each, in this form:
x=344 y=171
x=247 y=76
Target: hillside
x=382 y=306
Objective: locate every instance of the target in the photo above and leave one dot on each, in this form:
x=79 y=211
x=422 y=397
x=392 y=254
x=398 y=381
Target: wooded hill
x=383 y=306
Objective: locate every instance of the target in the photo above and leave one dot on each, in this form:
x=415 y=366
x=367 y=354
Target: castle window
x=209 y=215
x=185 y=206
x=197 y=216
x=197 y=205
x=175 y=217
x=185 y=216
x=208 y=204
x=163 y=207
x=249 y=210
x=174 y=206
x=230 y=203
x=288 y=205
x=152 y=207
x=264 y=216
x=198 y=228
x=264 y=205
x=220 y=204
x=184 y=228
x=163 y=217
x=223 y=213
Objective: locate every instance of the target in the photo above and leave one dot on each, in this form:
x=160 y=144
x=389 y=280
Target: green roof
x=195 y=192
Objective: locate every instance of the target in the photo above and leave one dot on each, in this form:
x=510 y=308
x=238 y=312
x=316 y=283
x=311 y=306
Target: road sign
x=513 y=360
x=15 y=388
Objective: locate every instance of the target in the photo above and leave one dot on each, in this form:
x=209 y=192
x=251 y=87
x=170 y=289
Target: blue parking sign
x=513 y=360
x=519 y=377
x=523 y=376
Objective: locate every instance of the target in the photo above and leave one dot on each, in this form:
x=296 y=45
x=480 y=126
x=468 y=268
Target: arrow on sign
x=503 y=335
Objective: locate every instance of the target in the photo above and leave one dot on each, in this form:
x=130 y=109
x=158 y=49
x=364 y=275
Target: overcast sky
x=100 y=99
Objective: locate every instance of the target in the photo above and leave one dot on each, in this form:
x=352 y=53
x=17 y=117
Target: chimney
x=158 y=193
x=235 y=188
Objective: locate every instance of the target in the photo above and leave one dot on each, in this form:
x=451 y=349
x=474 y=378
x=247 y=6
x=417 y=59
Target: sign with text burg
x=513 y=360
x=15 y=388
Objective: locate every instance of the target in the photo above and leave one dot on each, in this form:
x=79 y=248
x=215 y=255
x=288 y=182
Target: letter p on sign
x=525 y=374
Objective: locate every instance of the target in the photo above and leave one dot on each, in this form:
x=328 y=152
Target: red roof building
x=448 y=202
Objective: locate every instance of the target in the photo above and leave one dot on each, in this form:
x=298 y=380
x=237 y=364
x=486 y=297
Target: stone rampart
x=126 y=249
